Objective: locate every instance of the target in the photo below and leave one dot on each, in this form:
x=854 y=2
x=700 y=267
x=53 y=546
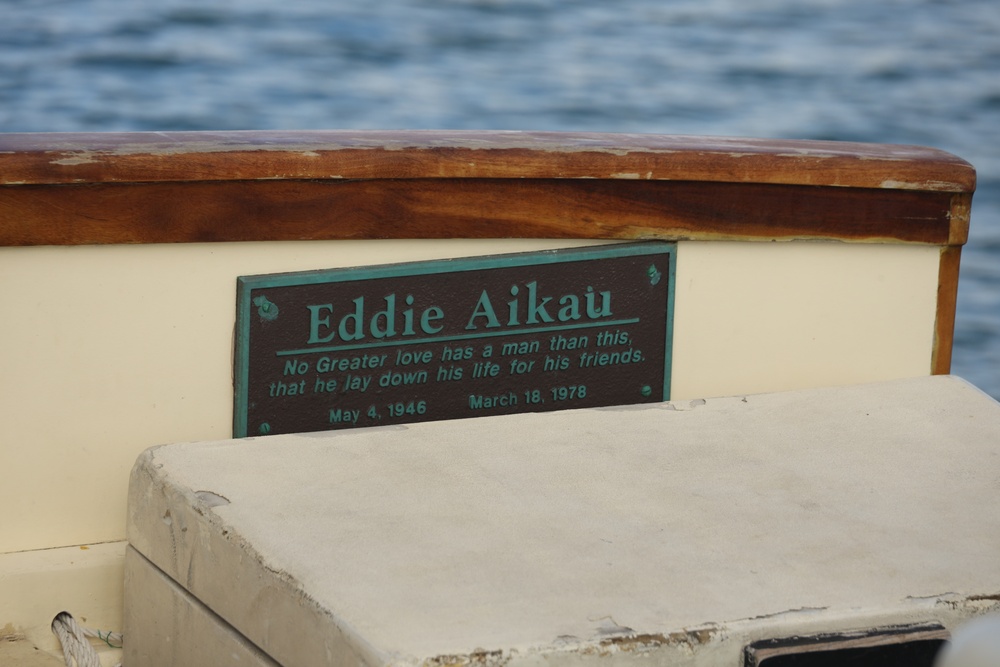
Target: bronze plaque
x=449 y=339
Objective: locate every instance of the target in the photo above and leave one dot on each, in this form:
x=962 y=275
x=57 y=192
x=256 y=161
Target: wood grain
x=468 y=208
x=947 y=300
x=203 y=156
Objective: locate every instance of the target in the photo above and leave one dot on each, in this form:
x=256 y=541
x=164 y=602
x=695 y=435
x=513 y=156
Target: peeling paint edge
x=73 y=161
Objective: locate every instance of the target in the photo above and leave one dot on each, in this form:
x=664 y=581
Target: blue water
x=898 y=71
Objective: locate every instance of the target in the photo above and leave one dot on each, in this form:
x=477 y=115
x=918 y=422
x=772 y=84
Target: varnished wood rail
x=182 y=187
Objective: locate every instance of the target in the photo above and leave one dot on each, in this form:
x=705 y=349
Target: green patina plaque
x=449 y=339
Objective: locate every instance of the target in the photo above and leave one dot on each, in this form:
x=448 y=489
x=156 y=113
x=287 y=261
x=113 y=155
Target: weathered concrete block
x=677 y=532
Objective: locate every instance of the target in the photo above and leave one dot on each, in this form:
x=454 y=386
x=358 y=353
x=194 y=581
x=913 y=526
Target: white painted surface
x=756 y=317
x=700 y=526
x=108 y=350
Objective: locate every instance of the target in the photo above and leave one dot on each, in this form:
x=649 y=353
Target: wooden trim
x=947 y=298
x=72 y=189
x=35 y=159
x=466 y=208
x=960 y=216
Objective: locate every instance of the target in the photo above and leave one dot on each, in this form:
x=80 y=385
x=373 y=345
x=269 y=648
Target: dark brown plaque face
x=450 y=339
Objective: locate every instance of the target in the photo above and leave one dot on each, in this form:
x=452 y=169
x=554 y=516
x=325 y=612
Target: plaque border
x=246 y=284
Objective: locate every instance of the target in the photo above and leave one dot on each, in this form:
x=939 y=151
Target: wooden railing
x=76 y=189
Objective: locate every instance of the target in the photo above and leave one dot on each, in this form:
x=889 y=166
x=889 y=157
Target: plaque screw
x=265 y=308
x=654 y=274
x=264 y=428
x=646 y=390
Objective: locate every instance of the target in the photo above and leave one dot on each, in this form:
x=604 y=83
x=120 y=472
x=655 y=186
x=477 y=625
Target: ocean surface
x=895 y=71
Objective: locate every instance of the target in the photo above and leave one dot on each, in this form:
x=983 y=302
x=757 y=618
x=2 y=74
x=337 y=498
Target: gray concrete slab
x=676 y=531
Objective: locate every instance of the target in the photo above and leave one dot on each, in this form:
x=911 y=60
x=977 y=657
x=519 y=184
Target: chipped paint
x=937 y=186
x=211 y=499
x=643 y=642
x=787 y=612
x=83 y=158
x=680 y=407
x=479 y=658
x=716 y=643
x=632 y=643
x=9 y=633
x=640 y=644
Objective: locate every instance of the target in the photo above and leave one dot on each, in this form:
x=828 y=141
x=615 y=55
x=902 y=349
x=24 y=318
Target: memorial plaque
x=450 y=339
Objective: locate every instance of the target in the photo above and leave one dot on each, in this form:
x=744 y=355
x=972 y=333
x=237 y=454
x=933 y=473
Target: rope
x=75 y=643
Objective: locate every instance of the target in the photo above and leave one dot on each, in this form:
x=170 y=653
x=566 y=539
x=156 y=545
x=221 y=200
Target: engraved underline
x=445 y=339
